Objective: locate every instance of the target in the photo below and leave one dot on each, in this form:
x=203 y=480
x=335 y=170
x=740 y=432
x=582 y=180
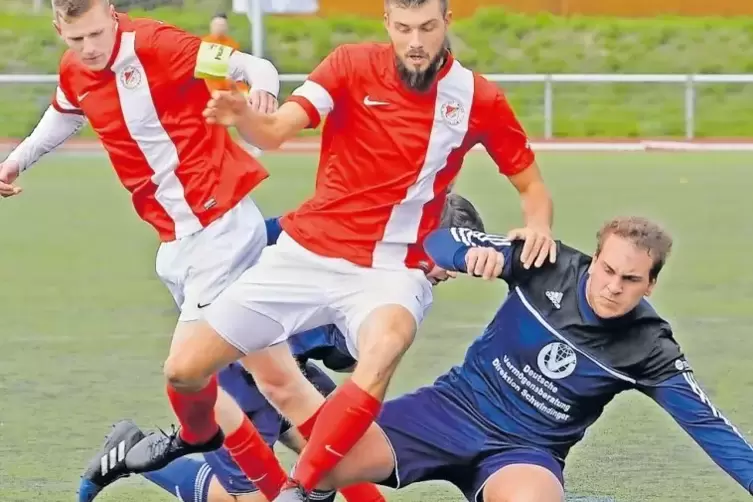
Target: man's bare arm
x=269 y=131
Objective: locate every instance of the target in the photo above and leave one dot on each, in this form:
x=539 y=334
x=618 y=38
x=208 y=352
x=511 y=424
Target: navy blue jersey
x=546 y=366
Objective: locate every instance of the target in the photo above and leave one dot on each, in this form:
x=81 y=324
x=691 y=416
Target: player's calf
x=278 y=376
x=384 y=336
x=192 y=388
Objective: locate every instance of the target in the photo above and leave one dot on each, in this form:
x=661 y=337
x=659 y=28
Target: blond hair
x=644 y=234
x=443 y=4
x=71 y=9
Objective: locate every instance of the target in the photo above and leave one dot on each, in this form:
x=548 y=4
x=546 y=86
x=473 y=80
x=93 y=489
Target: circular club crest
x=557 y=360
x=130 y=77
x=453 y=112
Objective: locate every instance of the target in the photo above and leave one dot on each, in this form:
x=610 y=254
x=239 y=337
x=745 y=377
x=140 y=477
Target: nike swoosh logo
x=201 y=306
x=333 y=452
x=258 y=479
x=81 y=97
x=369 y=102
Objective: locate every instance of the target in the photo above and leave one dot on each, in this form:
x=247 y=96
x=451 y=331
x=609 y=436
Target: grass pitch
x=86 y=323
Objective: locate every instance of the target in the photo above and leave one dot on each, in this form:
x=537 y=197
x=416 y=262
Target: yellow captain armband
x=213 y=61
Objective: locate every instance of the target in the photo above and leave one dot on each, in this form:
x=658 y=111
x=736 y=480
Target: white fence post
x=255 y=15
x=548 y=108
x=690 y=108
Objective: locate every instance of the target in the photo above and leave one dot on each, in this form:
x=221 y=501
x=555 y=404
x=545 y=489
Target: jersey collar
x=449 y=60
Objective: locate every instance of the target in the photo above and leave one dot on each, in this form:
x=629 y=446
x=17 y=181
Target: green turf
x=86 y=323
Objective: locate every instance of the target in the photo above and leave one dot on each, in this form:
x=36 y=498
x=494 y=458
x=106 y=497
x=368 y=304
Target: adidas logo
x=555 y=297
x=110 y=460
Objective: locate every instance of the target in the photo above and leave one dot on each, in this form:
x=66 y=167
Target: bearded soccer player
x=219 y=479
x=135 y=82
x=566 y=340
x=401 y=118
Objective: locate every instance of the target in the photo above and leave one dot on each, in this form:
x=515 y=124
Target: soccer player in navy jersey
x=566 y=340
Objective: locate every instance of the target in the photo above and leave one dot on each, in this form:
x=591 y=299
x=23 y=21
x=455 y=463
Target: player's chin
x=607 y=309
x=97 y=64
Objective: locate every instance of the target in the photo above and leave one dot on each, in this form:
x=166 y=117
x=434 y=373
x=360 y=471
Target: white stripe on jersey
x=690 y=379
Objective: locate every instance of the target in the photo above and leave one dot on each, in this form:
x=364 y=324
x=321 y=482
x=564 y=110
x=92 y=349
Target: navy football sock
x=185 y=478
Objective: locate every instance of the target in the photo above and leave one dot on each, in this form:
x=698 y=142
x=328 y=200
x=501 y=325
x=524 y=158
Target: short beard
x=421 y=81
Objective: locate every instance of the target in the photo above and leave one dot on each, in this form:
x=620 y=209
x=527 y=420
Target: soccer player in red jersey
x=400 y=119
x=135 y=82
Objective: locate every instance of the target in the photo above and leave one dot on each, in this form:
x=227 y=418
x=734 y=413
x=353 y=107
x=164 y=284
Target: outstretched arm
x=509 y=147
x=52 y=130
x=55 y=126
x=269 y=131
x=682 y=397
x=476 y=253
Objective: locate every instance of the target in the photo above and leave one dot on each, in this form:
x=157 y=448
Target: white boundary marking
x=304 y=146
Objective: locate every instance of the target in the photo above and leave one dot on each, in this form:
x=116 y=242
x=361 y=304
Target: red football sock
x=362 y=492
x=342 y=421
x=195 y=412
x=256 y=459
x=307 y=427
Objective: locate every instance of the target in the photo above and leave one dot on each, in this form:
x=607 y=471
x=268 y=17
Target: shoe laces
x=165 y=441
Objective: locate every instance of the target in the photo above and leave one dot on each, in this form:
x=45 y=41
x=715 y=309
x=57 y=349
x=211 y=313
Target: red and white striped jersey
x=390 y=153
x=146 y=107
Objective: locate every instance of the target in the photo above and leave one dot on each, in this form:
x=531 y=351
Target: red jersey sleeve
x=324 y=86
x=65 y=100
x=176 y=50
x=501 y=133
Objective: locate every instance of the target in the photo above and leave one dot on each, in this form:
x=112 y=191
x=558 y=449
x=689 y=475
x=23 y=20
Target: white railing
x=688 y=81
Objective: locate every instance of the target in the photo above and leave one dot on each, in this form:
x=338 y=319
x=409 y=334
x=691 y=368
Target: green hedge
x=493 y=41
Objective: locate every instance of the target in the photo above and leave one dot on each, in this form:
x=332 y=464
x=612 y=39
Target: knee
x=181 y=373
x=523 y=483
x=385 y=335
x=218 y=494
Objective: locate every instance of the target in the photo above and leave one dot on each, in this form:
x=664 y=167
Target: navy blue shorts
x=270 y=424
x=433 y=438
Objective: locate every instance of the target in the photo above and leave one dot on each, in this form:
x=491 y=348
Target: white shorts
x=198 y=267
x=292 y=289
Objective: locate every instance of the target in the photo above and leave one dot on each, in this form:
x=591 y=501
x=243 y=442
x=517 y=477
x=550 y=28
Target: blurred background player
x=567 y=339
x=351 y=255
x=219 y=33
x=134 y=81
x=219 y=478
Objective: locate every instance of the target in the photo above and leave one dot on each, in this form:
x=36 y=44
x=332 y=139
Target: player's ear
x=593 y=263
x=650 y=288
x=57 y=27
x=448 y=18
x=386 y=19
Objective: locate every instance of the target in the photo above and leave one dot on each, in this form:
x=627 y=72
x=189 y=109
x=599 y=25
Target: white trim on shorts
x=398 y=483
